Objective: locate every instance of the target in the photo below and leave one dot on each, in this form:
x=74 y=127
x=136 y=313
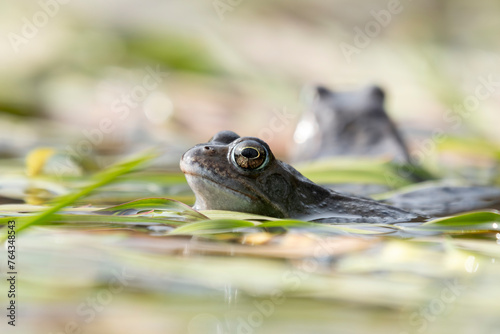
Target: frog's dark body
x=274 y=189
x=352 y=123
x=443 y=200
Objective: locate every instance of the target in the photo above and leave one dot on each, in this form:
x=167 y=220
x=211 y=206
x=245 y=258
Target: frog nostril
x=206 y=148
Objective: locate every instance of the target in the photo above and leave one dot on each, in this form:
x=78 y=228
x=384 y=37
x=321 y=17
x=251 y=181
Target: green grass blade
x=100 y=179
x=470 y=222
x=470 y=218
x=154 y=204
x=99 y=219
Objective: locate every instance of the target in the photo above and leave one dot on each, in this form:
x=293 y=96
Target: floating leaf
x=320 y=227
x=224 y=214
x=212 y=226
x=468 y=218
x=471 y=222
x=148 y=204
x=106 y=219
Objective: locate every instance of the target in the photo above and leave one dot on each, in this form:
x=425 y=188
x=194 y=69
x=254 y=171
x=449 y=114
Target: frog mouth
x=218 y=184
x=252 y=201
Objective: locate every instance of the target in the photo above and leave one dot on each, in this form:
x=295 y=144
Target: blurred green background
x=235 y=65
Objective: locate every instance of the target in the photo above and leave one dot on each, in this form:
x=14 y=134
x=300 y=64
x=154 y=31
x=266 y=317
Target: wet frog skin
x=443 y=200
x=241 y=174
x=350 y=123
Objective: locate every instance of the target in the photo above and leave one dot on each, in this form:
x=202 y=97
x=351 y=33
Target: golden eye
x=249 y=157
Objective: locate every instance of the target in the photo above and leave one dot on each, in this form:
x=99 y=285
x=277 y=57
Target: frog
x=350 y=124
x=242 y=174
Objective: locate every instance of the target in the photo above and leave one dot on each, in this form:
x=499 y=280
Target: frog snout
x=207 y=149
x=197 y=153
x=201 y=150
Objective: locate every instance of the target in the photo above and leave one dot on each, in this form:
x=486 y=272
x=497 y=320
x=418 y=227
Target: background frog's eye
x=249 y=156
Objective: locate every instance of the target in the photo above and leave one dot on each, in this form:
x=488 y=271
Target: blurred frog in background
x=348 y=123
x=355 y=124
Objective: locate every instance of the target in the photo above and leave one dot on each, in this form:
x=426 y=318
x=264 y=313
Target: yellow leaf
x=36 y=159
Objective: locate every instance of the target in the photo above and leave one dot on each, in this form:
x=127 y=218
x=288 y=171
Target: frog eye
x=250 y=155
